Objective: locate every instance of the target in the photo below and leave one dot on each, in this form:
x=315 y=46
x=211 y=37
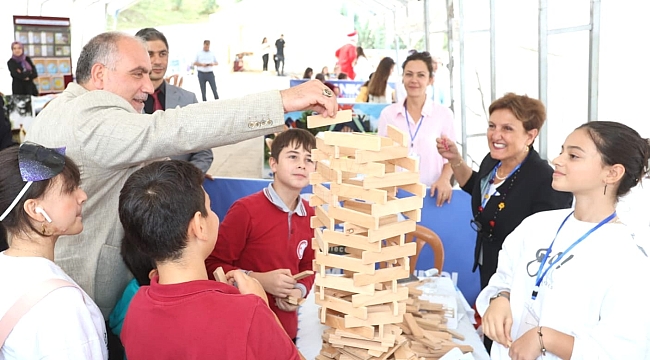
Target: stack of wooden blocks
x=364 y=307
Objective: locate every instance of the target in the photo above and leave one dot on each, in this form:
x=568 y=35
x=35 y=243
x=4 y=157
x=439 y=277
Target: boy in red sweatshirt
x=267 y=234
x=182 y=315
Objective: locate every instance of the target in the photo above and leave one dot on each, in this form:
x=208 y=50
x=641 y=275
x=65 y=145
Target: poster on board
x=46 y=40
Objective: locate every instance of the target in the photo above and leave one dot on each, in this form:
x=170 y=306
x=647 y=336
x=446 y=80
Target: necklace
x=496 y=174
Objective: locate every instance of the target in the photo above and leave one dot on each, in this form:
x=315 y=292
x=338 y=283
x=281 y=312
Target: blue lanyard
x=540 y=274
x=408 y=126
x=484 y=193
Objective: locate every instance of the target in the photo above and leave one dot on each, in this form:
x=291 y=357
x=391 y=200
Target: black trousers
x=209 y=78
x=265 y=62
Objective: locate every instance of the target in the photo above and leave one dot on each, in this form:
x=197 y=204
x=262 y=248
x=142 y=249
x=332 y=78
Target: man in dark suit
x=167 y=96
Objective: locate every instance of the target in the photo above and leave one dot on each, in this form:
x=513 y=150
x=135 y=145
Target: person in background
x=320 y=77
x=167 y=217
x=205 y=62
x=40 y=200
x=378 y=89
x=266 y=49
x=362 y=66
x=438 y=91
x=424 y=121
x=363 y=91
x=326 y=72
x=343 y=76
x=550 y=297
x=347 y=55
x=309 y=72
x=279 y=55
x=167 y=96
x=337 y=70
x=22 y=70
x=512 y=183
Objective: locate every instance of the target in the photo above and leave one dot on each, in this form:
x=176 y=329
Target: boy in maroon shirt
x=267 y=234
x=182 y=315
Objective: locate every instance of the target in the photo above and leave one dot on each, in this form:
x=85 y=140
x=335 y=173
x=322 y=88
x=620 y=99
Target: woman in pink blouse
x=424 y=122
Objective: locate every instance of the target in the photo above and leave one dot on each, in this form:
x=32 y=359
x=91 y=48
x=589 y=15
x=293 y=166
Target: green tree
x=209 y=6
x=366 y=36
x=177 y=5
x=400 y=42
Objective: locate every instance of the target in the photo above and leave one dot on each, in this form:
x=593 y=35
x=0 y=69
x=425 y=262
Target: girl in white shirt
x=569 y=282
x=40 y=200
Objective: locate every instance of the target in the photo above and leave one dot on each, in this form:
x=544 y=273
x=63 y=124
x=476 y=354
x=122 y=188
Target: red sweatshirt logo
x=300 y=250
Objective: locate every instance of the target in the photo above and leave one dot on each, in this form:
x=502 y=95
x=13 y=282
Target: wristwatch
x=501 y=294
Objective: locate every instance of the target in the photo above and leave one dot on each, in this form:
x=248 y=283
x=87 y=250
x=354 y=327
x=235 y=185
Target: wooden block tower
x=365 y=305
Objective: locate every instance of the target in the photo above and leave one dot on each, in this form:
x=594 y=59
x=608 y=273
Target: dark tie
x=156 y=101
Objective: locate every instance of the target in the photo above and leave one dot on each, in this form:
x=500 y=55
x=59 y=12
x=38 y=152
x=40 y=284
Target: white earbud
x=39 y=210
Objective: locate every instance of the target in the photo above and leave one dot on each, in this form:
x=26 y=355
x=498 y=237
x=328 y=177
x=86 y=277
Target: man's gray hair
x=102 y=49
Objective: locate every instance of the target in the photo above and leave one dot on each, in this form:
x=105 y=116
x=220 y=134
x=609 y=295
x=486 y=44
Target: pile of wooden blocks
x=365 y=308
x=425 y=327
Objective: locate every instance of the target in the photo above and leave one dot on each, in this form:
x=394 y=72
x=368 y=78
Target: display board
x=46 y=41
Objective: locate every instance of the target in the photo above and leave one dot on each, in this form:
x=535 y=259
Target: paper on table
x=456 y=354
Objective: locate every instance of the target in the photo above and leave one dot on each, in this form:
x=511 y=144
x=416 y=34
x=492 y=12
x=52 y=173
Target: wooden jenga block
x=357 y=192
x=386 y=339
x=355 y=241
x=328 y=351
x=355 y=217
x=356 y=140
x=303 y=274
x=395 y=206
x=342 y=306
x=347 y=164
x=377 y=318
x=316 y=178
x=345 y=284
x=409 y=163
x=328 y=173
x=318 y=154
x=324 y=193
x=397 y=135
x=324 y=217
x=219 y=275
x=390 y=230
x=380 y=297
x=338 y=322
x=388 y=253
x=386 y=153
x=381 y=275
x=314 y=121
x=393 y=179
x=344 y=262
x=415 y=215
x=418 y=189
x=416 y=330
x=295 y=301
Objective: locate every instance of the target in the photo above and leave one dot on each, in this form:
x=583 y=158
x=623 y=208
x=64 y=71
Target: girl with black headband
x=43 y=313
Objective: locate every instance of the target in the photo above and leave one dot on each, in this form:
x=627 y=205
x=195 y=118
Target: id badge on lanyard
x=414 y=154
